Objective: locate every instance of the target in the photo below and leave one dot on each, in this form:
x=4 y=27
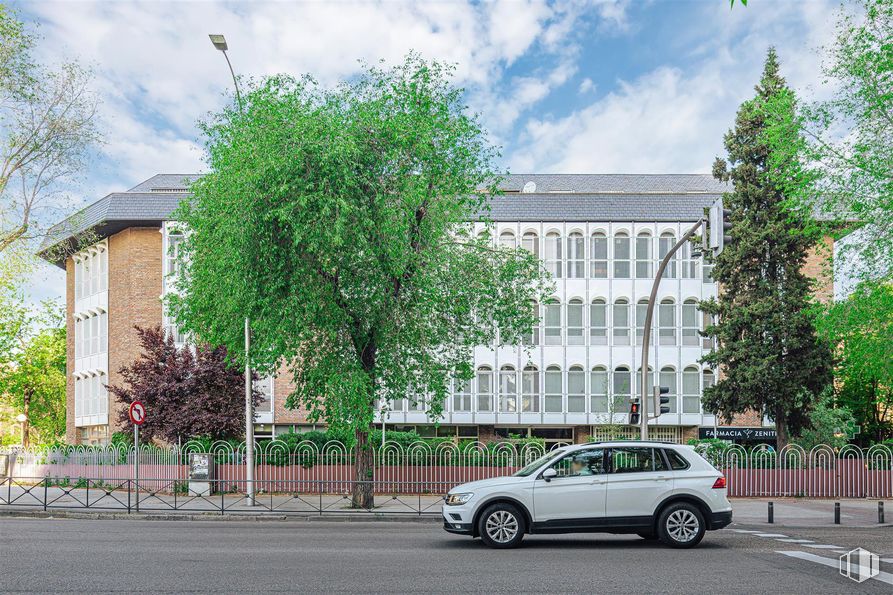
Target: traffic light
x=634 y=412
x=720 y=226
x=661 y=402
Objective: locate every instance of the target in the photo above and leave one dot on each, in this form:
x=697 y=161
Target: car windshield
x=530 y=468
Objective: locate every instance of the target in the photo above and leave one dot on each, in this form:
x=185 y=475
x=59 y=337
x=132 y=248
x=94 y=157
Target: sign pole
x=136 y=463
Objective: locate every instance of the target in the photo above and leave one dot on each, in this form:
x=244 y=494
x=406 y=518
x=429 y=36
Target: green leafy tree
x=829 y=423
x=860 y=330
x=336 y=220
x=47 y=129
x=835 y=157
x=32 y=371
x=767 y=348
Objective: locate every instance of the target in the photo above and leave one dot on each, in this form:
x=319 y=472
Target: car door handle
x=598 y=481
x=662 y=478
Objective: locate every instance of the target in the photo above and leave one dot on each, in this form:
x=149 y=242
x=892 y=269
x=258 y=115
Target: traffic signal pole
x=646 y=331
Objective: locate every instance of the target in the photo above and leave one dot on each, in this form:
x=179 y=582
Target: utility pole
x=219 y=42
x=649 y=314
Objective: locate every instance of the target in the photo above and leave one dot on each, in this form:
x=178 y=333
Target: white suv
x=656 y=490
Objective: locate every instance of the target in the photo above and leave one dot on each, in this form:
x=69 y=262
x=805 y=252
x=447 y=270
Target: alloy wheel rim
x=502 y=526
x=682 y=525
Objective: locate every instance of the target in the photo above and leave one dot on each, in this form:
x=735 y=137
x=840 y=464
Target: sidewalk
x=802 y=512
x=77 y=502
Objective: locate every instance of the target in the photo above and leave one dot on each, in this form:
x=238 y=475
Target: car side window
x=636 y=459
x=581 y=463
x=677 y=461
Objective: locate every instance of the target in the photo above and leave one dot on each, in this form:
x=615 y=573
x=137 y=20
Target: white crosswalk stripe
x=882 y=576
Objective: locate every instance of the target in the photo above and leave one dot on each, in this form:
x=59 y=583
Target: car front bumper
x=458 y=519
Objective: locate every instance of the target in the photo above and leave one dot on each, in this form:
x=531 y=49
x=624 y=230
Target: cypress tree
x=767 y=352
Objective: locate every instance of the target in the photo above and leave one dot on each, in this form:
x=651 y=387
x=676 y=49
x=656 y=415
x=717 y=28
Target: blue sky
x=572 y=87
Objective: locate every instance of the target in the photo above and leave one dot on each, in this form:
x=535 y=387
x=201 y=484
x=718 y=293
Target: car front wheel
x=681 y=525
x=502 y=526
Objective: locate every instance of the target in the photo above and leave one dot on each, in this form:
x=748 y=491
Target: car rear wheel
x=502 y=526
x=681 y=525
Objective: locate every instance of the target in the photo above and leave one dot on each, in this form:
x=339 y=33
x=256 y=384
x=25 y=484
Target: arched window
x=666 y=319
x=507 y=240
x=485 y=388
x=575 y=322
x=621 y=255
x=599 y=249
x=530 y=389
x=709 y=380
x=622 y=384
x=666 y=243
x=508 y=390
x=691 y=391
x=706 y=320
x=484 y=236
x=598 y=382
x=534 y=337
x=576 y=390
x=174 y=253
x=553 y=323
x=668 y=380
x=553 y=254
x=576 y=257
x=554 y=390
x=621 y=322
x=641 y=312
x=689 y=264
x=531 y=242
x=598 y=322
x=461 y=395
x=690 y=322
x=643 y=256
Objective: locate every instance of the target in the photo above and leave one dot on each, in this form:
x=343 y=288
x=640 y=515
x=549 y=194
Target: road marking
x=882 y=576
x=819 y=546
x=887 y=560
x=797 y=540
x=770 y=535
x=744 y=531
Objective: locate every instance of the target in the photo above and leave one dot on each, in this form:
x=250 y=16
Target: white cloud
x=586 y=85
x=673 y=119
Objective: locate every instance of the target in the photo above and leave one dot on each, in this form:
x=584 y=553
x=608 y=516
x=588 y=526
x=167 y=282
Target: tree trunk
x=363 y=467
x=781 y=430
x=26 y=409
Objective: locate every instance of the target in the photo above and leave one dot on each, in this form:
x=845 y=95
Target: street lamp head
x=219 y=42
x=21 y=418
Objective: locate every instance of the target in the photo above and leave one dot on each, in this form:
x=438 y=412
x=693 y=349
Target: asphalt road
x=54 y=555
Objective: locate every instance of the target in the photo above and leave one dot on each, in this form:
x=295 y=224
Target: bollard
x=880 y=512
x=837 y=513
x=771 y=514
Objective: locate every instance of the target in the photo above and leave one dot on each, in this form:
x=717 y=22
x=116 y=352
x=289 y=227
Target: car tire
x=502 y=526
x=681 y=525
x=648 y=536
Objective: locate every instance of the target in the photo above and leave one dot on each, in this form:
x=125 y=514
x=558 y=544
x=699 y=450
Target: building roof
x=528 y=197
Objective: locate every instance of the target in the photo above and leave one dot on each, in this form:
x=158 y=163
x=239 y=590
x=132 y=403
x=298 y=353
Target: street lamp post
x=23 y=419
x=646 y=331
x=219 y=42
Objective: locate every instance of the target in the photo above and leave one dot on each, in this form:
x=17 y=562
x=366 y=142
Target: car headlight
x=456 y=499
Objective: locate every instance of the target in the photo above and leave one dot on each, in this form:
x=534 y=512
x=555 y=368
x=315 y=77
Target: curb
x=210 y=516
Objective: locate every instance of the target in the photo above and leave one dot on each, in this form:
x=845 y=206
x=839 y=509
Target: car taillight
x=719 y=483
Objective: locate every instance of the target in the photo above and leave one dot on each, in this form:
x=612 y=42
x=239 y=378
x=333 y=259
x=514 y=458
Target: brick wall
x=135 y=275
x=818 y=266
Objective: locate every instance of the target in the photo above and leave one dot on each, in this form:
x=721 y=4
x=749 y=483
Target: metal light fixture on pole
x=646 y=331
x=219 y=42
x=22 y=418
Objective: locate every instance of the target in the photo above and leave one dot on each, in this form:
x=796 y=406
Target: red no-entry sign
x=137 y=413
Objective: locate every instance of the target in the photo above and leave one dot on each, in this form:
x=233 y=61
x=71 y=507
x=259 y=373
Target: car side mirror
x=549 y=473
